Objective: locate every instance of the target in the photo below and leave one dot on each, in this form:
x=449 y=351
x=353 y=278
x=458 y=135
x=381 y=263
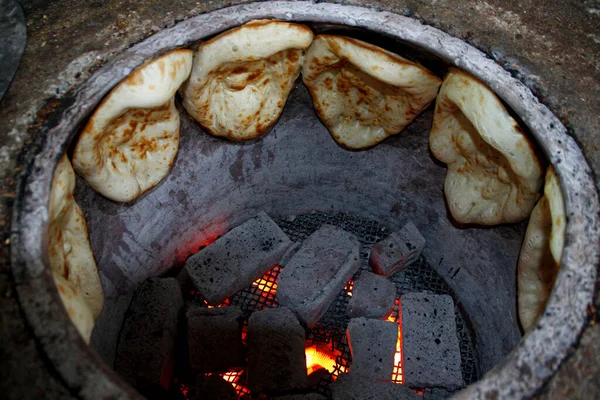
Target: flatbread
x=363 y=93
x=131 y=140
x=76 y=307
x=241 y=79
x=494 y=175
x=539 y=260
x=69 y=248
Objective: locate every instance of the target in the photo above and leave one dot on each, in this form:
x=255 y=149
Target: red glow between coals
x=225 y=303
x=320 y=356
x=349 y=287
x=396 y=316
x=267 y=285
x=199 y=240
x=235 y=378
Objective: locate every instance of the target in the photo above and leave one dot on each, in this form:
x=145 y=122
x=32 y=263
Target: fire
x=319 y=356
x=234 y=377
x=396 y=317
x=349 y=287
x=227 y=302
x=199 y=240
x=267 y=285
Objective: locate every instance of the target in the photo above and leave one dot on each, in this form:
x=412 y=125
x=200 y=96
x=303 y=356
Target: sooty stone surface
x=372 y=345
x=318 y=271
x=214 y=387
x=400 y=249
x=373 y=296
x=429 y=342
x=276 y=360
x=146 y=345
x=215 y=338
x=237 y=258
x=309 y=396
x=356 y=387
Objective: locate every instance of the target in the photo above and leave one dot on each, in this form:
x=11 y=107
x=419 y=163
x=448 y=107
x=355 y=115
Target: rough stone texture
x=13 y=35
x=214 y=387
x=397 y=251
x=237 y=258
x=145 y=353
x=582 y=364
x=373 y=296
x=215 y=338
x=355 y=387
x=372 y=345
x=309 y=396
x=552 y=48
x=317 y=272
x=437 y=394
x=276 y=360
x=429 y=343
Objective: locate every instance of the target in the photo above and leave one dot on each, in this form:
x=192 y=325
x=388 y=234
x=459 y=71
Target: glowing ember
x=245 y=332
x=227 y=302
x=320 y=356
x=235 y=378
x=267 y=285
x=201 y=239
x=184 y=389
x=348 y=288
x=396 y=316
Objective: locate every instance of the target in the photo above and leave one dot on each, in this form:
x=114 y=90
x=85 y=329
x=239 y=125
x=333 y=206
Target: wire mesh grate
x=331 y=329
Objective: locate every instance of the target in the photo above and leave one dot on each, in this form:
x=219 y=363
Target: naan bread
x=494 y=175
x=76 y=307
x=539 y=260
x=69 y=248
x=363 y=93
x=241 y=79
x=131 y=140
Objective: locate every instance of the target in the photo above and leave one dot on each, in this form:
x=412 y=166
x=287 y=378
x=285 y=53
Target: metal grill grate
x=331 y=329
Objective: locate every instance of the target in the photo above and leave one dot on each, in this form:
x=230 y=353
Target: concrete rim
x=523 y=372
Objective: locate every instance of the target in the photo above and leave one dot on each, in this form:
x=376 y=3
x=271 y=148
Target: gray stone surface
x=309 y=396
x=373 y=296
x=13 y=35
x=372 y=346
x=356 y=387
x=430 y=351
x=214 y=387
x=582 y=364
x=214 y=337
x=237 y=258
x=400 y=249
x=317 y=273
x=276 y=360
x=551 y=47
x=437 y=394
x=145 y=353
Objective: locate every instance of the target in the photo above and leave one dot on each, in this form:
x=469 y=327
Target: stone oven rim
x=526 y=368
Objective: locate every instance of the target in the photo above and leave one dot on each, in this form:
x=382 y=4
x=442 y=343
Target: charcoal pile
x=259 y=313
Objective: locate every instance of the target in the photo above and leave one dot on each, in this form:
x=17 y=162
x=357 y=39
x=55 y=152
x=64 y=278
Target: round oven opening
x=301 y=178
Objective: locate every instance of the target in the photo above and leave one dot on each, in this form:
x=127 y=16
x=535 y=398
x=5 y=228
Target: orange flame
x=319 y=356
x=268 y=286
x=349 y=287
x=235 y=378
x=227 y=302
x=396 y=316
